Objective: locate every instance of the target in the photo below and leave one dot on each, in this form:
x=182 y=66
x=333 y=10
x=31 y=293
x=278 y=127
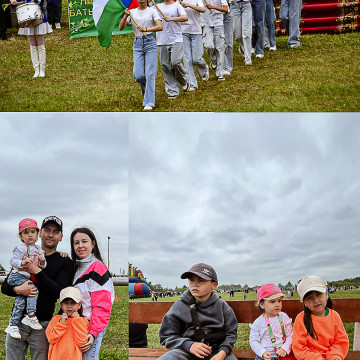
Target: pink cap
x=27 y=223
x=269 y=292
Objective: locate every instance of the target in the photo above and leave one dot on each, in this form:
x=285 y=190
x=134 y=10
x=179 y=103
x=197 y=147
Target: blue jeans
x=214 y=42
x=93 y=352
x=228 y=32
x=258 y=8
x=193 y=55
x=290 y=12
x=241 y=13
x=21 y=302
x=35 y=339
x=270 y=21
x=172 y=68
x=145 y=66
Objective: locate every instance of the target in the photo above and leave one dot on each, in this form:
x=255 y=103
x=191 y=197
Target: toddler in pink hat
x=23 y=254
x=271 y=333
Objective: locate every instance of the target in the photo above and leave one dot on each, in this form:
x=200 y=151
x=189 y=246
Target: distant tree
x=2 y=268
x=280 y=285
x=157 y=288
x=289 y=285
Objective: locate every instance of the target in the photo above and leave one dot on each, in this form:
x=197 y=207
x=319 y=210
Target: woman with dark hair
x=93 y=279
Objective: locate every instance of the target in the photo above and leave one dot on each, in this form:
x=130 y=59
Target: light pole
x=109 y=253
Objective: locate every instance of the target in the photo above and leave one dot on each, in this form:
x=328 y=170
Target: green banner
x=81 y=23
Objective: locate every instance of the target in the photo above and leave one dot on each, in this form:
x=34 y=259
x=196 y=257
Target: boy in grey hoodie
x=215 y=330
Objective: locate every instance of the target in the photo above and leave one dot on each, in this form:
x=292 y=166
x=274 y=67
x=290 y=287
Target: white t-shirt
x=146 y=18
x=260 y=340
x=216 y=17
x=192 y=26
x=171 y=33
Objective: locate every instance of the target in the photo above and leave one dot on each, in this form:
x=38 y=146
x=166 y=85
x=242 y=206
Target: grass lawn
x=115 y=342
x=322 y=75
x=243 y=329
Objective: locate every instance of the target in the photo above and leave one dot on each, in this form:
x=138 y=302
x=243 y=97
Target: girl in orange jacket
x=318 y=331
x=67 y=330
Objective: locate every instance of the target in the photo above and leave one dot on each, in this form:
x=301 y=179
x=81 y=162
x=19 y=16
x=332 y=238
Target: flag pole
x=144 y=33
x=158 y=8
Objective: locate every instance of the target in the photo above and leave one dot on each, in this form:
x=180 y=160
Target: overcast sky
x=74 y=166
x=261 y=197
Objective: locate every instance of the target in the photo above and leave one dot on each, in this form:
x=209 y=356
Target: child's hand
x=209 y=6
x=126 y=12
x=25 y=261
x=63 y=254
x=167 y=18
x=13 y=2
x=266 y=355
x=63 y=317
x=281 y=352
x=185 y=5
x=200 y=350
x=221 y=355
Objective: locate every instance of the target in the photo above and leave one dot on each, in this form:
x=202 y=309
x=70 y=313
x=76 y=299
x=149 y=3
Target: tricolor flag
x=106 y=14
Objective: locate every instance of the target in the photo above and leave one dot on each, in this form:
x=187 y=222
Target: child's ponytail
x=308 y=321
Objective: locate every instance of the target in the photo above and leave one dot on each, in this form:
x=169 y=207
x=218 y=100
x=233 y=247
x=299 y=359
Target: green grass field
x=322 y=75
x=243 y=329
x=115 y=342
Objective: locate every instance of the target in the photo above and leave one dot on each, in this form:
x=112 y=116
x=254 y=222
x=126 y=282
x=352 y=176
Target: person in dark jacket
x=215 y=332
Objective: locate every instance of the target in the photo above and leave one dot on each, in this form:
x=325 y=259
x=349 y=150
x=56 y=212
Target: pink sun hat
x=269 y=292
x=27 y=223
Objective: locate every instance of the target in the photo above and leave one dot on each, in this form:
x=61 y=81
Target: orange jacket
x=66 y=337
x=332 y=343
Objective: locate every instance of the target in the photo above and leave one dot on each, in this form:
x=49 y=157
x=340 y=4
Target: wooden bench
x=246 y=312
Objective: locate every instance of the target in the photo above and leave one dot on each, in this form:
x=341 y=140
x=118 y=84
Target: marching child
x=199 y=324
x=66 y=330
x=171 y=48
x=23 y=254
x=36 y=38
x=271 y=333
x=146 y=21
x=193 y=46
x=318 y=330
x=213 y=34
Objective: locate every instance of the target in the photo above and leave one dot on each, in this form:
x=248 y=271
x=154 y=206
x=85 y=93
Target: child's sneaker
x=221 y=78
x=33 y=322
x=213 y=66
x=13 y=331
x=186 y=87
x=206 y=76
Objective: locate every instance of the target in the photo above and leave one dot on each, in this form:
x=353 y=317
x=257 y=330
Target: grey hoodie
x=214 y=314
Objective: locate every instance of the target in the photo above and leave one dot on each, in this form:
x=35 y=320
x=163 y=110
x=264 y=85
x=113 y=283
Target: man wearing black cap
x=50 y=281
x=199 y=324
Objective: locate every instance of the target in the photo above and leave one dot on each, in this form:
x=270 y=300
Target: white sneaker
x=187 y=86
x=57 y=26
x=33 y=322
x=253 y=50
x=273 y=48
x=259 y=56
x=147 y=108
x=13 y=331
x=221 y=78
x=213 y=66
x=192 y=89
x=227 y=72
x=206 y=76
x=248 y=63
x=172 y=97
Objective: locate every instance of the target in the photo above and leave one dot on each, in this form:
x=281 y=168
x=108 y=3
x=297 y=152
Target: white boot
x=35 y=60
x=42 y=59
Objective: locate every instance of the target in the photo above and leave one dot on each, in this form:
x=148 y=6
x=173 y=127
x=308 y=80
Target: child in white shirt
x=213 y=34
x=171 y=48
x=271 y=333
x=193 y=46
x=24 y=254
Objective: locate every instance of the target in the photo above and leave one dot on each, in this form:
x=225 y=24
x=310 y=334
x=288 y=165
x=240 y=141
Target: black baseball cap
x=53 y=220
x=202 y=270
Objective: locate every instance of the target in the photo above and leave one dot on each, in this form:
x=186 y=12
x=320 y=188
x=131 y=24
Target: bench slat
x=245 y=310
